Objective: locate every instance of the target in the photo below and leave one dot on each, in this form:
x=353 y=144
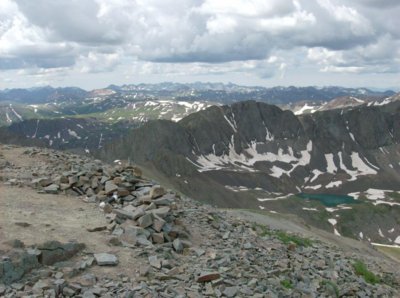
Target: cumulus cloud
x=382 y=56
x=265 y=38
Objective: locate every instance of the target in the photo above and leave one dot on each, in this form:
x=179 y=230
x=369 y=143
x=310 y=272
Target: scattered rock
x=110 y=187
x=146 y=220
x=23 y=224
x=155 y=262
x=155 y=228
x=106 y=259
x=96 y=229
x=178 y=246
x=156 y=192
x=208 y=276
x=230 y=291
x=54 y=251
x=52 y=188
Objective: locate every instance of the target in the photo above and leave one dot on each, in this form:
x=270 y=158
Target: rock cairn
x=183 y=248
x=139 y=211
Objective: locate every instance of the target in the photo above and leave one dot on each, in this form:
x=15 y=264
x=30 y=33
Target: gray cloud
x=95 y=36
x=379 y=4
x=72 y=20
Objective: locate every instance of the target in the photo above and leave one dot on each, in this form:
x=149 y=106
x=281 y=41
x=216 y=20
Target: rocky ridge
x=180 y=248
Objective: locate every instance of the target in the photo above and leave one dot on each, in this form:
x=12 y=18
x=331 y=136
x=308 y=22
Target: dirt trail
x=50 y=217
x=34 y=217
x=57 y=217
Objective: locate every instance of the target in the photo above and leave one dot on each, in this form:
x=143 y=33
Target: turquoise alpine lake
x=329 y=200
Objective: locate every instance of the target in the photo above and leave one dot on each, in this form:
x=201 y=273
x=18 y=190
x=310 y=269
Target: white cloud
x=268 y=39
x=221 y=25
x=98 y=62
x=342 y=69
x=381 y=56
x=359 y=25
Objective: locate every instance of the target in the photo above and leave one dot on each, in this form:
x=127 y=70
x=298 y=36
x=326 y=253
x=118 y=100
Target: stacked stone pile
x=139 y=211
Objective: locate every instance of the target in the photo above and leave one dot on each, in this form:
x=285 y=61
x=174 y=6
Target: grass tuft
x=331 y=284
x=361 y=269
x=286 y=284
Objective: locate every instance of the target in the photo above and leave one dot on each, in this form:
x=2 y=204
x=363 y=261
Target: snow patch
x=316 y=174
x=360 y=165
x=331 y=167
x=314 y=186
x=334 y=184
x=15 y=113
x=73 y=133
x=230 y=124
x=176 y=118
x=375 y=194
x=36 y=130
x=245 y=160
x=268 y=135
x=382 y=103
x=274 y=199
x=332 y=221
x=310 y=209
x=355 y=195
x=329 y=209
x=8 y=118
x=306 y=107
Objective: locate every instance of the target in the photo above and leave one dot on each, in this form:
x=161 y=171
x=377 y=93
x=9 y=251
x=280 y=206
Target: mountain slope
x=252 y=154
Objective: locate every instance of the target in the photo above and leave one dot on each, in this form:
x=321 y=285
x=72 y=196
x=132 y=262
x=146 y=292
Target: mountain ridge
x=252 y=154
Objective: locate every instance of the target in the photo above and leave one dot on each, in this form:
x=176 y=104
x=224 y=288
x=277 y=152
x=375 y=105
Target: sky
x=94 y=43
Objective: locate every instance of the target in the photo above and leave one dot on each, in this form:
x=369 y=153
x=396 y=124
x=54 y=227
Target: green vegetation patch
x=331 y=285
x=394 y=195
x=286 y=284
x=361 y=269
x=393 y=252
x=286 y=238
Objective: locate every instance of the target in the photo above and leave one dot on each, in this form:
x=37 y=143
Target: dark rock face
x=145 y=143
x=15 y=264
x=236 y=140
x=54 y=251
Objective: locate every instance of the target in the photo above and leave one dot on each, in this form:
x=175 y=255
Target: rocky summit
x=72 y=226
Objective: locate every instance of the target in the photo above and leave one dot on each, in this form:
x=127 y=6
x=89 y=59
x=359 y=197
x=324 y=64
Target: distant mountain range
x=40 y=95
x=216 y=92
x=171 y=101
